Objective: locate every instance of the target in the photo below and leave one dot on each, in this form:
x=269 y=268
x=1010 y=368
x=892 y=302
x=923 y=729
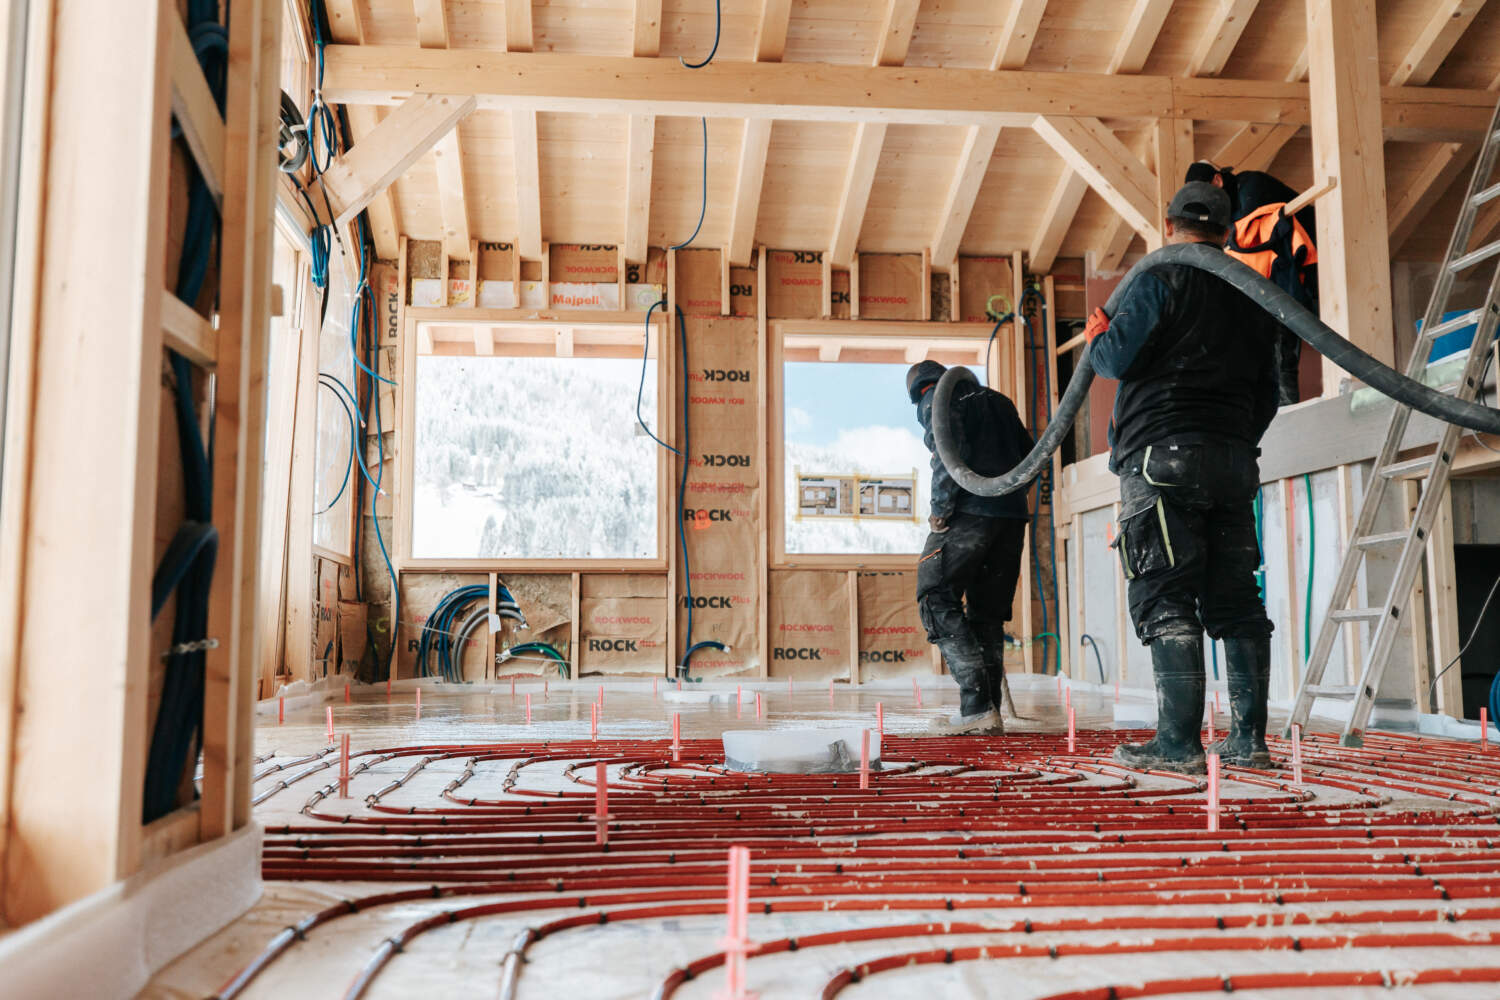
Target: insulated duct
x=1262 y=293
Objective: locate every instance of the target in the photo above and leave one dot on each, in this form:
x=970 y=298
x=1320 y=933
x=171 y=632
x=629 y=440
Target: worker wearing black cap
x=967 y=574
x=1197 y=367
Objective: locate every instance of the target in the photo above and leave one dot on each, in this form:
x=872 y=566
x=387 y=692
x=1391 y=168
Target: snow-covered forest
x=533 y=458
x=872 y=450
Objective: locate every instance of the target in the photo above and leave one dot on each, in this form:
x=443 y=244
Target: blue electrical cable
x=718 y=27
x=703 y=201
x=1084 y=637
x=641 y=391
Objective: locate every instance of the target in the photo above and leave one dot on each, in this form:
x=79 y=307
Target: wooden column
x=1354 y=268
x=81 y=451
x=1173 y=139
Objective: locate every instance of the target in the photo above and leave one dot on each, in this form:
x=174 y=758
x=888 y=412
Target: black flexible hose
x=1286 y=310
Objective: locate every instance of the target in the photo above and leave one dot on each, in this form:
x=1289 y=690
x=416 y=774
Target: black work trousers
x=1187 y=540
x=966 y=581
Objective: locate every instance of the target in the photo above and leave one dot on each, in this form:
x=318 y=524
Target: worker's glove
x=939 y=525
x=1098 y=323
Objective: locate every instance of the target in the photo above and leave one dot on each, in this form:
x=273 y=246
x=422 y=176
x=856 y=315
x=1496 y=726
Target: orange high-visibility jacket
x=1254 y=233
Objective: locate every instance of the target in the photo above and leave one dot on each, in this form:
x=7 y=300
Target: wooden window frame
x=587 y=322
x=870 y=337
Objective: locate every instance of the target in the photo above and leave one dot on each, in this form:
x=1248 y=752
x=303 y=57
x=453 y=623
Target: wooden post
x=575 y=626
x=1443 y=607
x=1354 y=268
x=81 y=464
x=1421 y=655
x=766 y=466
x=852 y=583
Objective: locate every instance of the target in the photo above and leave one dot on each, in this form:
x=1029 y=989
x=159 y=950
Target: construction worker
x=1274 y=245
x=1196 y=362
x=967 y=575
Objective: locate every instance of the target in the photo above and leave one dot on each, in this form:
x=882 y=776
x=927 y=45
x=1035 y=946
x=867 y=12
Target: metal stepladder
x=1432 y=470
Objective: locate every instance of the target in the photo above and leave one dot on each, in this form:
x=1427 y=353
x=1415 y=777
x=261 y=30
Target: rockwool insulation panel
x=794 y=284
x=700 y=285
x=742 y=282
x=809 y=624
x=892 y=641
x=622 y=623
x=573 y=263
x=978 y=279
x=890 y=286
x=420 y=594
x=721 y=509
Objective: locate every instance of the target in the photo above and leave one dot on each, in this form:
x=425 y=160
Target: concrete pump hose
x=1263 y=293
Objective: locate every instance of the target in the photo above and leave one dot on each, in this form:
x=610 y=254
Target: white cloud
x=882 y=449
x=797 y=419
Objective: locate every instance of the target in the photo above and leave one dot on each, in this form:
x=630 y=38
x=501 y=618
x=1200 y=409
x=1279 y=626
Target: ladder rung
x=1475 y=256
x=1332 y=690
x=1358 y=615
x=1398 y=470
x=1456 y=323
x=1488 y=194
x=1386 y=538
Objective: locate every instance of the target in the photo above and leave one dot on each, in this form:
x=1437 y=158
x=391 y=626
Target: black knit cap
x=920 y=375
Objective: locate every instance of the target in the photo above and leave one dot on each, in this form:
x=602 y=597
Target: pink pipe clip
x=1484 y=729
x=1117 y=690
x=880 y=718
x=601 y=802
x=419 y=703
x=864 y=759
x=1216 y=702
x=1210 y=729
x=757 y=704
x=280 y=709
x=736 y=943
x=830 y=693
x=330 y=723
x=653 y=687
x=601 y=695
x=528 y=708
x=676 y=737
x=679 y=683
x=346 y=692
x=789 y=689
x=1296 y=754
x=344 y=767
x=593 y=722
x=1213 y=793
x=1068 y=697
x=739 y=699
x=916 y=691
x=1072 y=740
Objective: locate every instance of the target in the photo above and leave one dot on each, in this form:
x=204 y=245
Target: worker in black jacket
x=967 y=575
x=1197 y=367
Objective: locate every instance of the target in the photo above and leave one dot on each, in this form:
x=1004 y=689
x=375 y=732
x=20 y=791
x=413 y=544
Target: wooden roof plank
x=963 y=191
x=854 y=194
x=638 y=161
x=1214 y=49
x=750 y=178
x=1446 y=23
x=1018 y=33
x=1141 y=28
x=1062 y=206
x=770 y=38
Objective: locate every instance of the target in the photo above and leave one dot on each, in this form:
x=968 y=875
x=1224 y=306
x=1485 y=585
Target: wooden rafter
x=1172 y=139
x=963 y=191
x=1218 y=42
x=1141 y=28
x=1254 y=147
x=646 y=28
x=518 y=31
x=640 y=145
x=432 y=33
x=749 y=179
x=1109 y=167
x=346 y=28
x=854 y=194
x=1119 y=236
x=373 y=164
x=1447 y=20
x=374 y=74
x=1062 y=206
x=526 y=157
x=1422 y=192
x=1018 y=33
x=770 y=35
x=895 y=32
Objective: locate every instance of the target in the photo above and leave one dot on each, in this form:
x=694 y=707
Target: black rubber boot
x=1177 y=663
x=992 y=648
x=1247 y=666
x=977 y=712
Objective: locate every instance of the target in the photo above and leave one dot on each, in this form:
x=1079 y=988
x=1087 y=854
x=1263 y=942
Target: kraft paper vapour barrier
x=809 y=624
x=892 y=641
x=978 y=279
x=573 y=263
x=721 y=507
x=623 y=624
x=890 y=286
x=700 y=289
x=794 y=284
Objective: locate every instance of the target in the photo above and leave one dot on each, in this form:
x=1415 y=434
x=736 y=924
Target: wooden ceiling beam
x=377 y=74
x=374 y=163
x=1018 y=33
x=1438 y=173
x=1218 y=43
x=1447 y=20
x=518 y=31
x=1142 y=26
x=1254 y=147
x=646 y=28
x=432 y=24
x=1109 y=167
x=896 y=31
x=854 y=195
x=749 y=179
x=640 y=149
x=963 y=191
x=1062 y=206
x=770 y=36
x=346 y=27
x=432 y=33
x=525 y=156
